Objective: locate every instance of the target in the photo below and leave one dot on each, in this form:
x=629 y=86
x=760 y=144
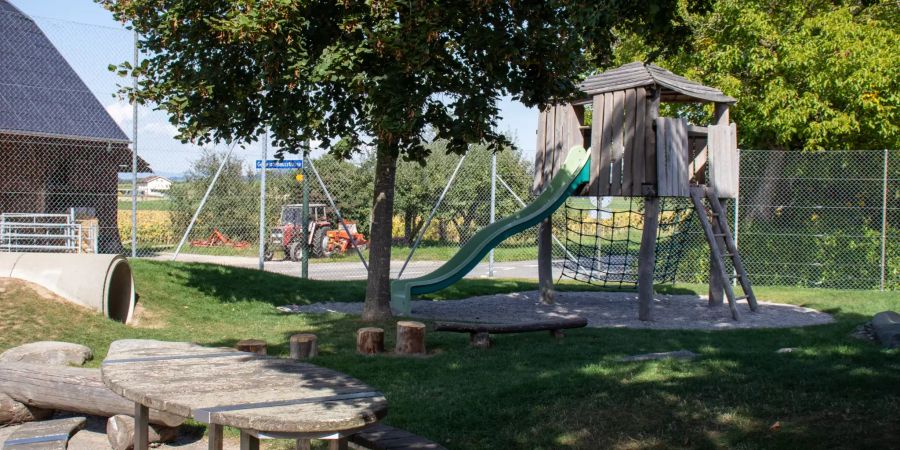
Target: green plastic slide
x=574 y=172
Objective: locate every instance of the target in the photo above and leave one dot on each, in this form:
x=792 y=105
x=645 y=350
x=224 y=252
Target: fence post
x=737 y=202
x=304 y=216
x=262 y=201
x=884 y=221
x=209 y=189
x=134 y=154
x=493 y=208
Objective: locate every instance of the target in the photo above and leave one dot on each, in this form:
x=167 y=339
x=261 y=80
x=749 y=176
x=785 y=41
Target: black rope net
x=603 y=239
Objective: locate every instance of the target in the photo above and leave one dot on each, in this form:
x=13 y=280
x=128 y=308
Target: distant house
x=154 y=186
x=60 y=149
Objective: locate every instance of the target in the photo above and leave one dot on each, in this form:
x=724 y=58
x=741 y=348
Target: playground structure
x=633 y=152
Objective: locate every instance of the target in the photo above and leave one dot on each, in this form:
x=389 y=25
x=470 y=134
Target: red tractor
x=323 y=239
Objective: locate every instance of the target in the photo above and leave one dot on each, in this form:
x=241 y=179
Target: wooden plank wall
x=672 y=153
x=558 y=131
x=724 y=163
x=619 y=143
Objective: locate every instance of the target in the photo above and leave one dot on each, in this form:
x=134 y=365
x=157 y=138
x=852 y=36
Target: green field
x=529 y=391
x=146 y=205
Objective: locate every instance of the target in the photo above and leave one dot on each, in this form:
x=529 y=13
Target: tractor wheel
x=320 y=242
x=268 y=253
x=296 y=251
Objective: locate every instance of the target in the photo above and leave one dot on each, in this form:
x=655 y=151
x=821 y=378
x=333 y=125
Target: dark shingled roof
x=39 y=92
x=637 y=74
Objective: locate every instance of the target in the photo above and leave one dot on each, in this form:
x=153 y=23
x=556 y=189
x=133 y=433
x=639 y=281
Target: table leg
x=249 y=441
x=141 y=427
x=338 y=444
x=215 y=436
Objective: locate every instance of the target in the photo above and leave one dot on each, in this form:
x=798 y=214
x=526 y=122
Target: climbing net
x=603 y=238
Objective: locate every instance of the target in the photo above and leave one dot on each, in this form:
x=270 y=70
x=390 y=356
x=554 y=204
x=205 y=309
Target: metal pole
x=304 y=219
x=262 y=201
x=493 y=208
x=134 y=154
x=737 y=202
x=202 y=203
x=337 y=212
x=431 y=216
x=884 y=221
x=522 y=204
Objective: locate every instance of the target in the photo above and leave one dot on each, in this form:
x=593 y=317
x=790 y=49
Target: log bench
x=383 y=437
x=47 y=435
x=480 y=333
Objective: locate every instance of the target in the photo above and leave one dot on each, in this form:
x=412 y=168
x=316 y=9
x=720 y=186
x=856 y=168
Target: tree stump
x=120 y=432
x=304 y=346
x=369 y=341
x=11 y=411
x=410 y=338
x=252 y=345
x=480 y=340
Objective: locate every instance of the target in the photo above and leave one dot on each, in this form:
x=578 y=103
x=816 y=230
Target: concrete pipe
x=100 y=282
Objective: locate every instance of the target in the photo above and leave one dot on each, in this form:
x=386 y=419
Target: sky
x=90 y=39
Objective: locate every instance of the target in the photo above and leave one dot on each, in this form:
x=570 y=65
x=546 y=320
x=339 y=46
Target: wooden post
x=252 y=345
x=249 y=441
x=370 y=341
x=141 y=427
x=214 y=432
x=410 y=338
x=716 y=283
x=647 y=257
x=545 y=261
x=338 y=444
x=304 y=346
x=303 y=444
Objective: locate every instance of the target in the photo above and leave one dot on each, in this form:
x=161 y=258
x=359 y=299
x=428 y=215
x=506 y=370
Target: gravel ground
x=601 y=309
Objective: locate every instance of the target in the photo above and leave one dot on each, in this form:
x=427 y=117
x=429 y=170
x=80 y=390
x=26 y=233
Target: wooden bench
x=383 y=437
x=46 y=435
x=480 y=333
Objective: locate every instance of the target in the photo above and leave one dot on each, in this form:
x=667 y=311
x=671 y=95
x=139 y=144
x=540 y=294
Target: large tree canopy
x=381 y=73
x=808 y=75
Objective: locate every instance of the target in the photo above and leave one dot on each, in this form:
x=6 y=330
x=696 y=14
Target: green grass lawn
x=530 y=391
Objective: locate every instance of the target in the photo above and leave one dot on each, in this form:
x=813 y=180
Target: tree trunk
x=369 y=341
x=304 y=346
x=410 y=338
x=378 y=288
x=763 y=201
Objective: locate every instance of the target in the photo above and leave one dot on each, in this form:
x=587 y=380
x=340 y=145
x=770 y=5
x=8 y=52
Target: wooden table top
x=239 y=389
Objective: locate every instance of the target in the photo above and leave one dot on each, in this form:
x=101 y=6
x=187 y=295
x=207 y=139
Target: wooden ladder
x=718 y=232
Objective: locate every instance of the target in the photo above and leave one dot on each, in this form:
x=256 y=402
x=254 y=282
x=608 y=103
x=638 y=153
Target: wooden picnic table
x=262 y=396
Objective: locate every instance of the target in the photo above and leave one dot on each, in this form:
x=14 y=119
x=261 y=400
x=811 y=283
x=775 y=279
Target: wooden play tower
x=637 y=153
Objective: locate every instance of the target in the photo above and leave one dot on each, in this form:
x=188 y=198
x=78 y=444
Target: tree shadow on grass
x=233 y=284
x=831 y=392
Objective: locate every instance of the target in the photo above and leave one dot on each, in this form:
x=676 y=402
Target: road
x=353 y=270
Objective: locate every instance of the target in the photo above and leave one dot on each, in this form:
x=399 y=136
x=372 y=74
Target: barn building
x=60 y=148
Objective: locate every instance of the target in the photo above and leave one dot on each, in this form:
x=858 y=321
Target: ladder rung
x=743 y=297
x=719 y=235
x=733 y=277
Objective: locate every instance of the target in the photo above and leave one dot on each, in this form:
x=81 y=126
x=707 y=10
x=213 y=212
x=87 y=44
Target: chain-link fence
x=829 y=219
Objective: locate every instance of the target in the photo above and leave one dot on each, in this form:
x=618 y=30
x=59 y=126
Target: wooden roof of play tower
x=635 y=152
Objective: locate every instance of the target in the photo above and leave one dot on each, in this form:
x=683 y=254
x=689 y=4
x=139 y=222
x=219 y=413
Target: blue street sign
x=279 y=164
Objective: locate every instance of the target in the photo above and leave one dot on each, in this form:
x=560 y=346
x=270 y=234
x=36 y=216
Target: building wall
x=52 y=175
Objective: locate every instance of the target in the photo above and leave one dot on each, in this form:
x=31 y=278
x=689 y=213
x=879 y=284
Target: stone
x=678 y=354
x=48 y=352
x=886 y=326
x=786 y=350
